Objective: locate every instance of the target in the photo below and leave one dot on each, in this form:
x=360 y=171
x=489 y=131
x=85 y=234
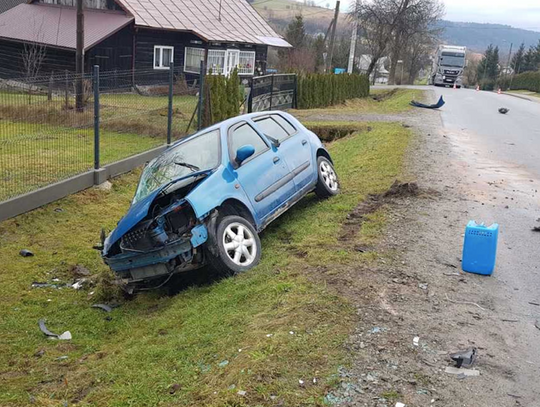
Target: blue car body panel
x=267 y=185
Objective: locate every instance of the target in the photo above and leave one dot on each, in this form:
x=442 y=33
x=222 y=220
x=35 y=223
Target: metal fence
x=49 y=132
x=273 y=92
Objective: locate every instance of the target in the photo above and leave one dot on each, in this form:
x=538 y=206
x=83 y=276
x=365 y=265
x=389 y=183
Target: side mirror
x=243 y=153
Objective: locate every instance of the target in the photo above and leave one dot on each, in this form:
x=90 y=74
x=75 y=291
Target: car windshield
x=198 y=154
x=453 y=59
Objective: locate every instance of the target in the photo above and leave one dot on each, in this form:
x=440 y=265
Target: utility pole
x=353 y=42
x=79 y=89
x=333 y=36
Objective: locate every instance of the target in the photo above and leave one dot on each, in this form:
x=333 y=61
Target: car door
x=265 y=176
x=294 y=147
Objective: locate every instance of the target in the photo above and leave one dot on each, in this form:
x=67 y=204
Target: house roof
x=57 y=26
x=237 y=22
x=5 y=5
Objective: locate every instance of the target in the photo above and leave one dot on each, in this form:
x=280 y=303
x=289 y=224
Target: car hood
x=139 y=211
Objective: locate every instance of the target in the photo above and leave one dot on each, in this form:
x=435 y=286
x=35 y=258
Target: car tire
x=327 y=182
x=234 y=254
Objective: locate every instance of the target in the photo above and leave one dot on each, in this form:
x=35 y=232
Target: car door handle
x=276 y=160
x=304 y=142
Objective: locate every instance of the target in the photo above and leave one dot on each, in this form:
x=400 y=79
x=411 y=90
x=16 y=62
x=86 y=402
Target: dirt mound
x=381 y=97
x=402 y=190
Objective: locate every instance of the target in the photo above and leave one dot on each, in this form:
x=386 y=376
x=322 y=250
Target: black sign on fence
x=273 y=92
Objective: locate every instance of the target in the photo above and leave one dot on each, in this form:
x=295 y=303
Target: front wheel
x=327 y=182
x=238 y=246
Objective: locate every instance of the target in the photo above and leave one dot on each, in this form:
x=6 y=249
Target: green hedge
x=523 y=81
x=322 y=90
x=223 y=98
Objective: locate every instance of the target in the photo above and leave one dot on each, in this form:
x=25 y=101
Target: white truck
x=448 y=66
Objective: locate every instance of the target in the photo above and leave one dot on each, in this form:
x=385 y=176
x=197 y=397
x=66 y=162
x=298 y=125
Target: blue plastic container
x=480 y=248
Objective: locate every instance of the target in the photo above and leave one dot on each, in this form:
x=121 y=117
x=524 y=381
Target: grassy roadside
x=381 y=101
x=212 y=340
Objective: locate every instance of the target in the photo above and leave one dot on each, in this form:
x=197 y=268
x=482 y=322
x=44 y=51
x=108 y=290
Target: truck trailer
x=448 y=66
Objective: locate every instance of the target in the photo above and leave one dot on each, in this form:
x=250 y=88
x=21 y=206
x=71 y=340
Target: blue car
x=206 y=198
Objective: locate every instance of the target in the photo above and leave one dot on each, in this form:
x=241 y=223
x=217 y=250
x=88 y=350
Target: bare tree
x=33 y=55
x=387 y=25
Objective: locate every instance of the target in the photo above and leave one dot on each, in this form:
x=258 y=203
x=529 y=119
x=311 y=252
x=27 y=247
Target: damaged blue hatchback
x=205 y=199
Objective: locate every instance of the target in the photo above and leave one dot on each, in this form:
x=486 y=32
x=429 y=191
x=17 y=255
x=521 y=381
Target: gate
x=273 y=92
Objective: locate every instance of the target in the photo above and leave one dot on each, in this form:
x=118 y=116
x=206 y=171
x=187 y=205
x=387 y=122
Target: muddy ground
x=417 y=288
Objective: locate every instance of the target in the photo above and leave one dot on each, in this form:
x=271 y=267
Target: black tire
x=323 y=188
x=222 y=259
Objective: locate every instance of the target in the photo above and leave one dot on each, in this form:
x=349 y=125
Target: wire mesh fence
x=47 y=127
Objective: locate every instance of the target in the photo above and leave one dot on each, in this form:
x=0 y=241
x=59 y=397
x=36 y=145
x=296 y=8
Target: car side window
x=289 y=128
x=244 y=135
x=270 y=127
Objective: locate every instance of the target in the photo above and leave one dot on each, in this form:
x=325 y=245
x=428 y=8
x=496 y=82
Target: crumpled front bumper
x=134 y=266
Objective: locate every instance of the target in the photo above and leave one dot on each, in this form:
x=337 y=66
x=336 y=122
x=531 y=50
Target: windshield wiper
x=192 y=167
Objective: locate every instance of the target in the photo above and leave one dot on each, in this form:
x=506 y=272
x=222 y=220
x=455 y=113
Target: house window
x=247 y=63
x=193 y=59
x=163 y=57
x=216 y=61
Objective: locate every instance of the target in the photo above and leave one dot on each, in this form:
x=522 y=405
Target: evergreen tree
x=319 y=48
x=517 y=59
x=296 y=32
x=488 y=69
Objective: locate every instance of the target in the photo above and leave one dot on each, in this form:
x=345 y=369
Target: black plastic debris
x=65 y=336
x=437 y=105
x=536 y=229
x=503 y=110
x=26 y=253
x=103 y=307
x=465 y=357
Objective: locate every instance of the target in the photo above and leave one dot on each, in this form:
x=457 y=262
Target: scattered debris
x=437 y=105
x=291 y=332
x=464 y=372
x=510 y=320
x=103 y=307
x=79 y=283
x=465 y=357
x=503 y=110
x=269 y=335
x=536 y=229
x=423 y=286
x=376 y=330
x=62 y=358
x=514 y=395
x=174 y=388
x=66 y=336
x=224 y=363
x=241 y=392
x=300 y=382
x=106 y=186
x=416 y=341
x=398 y=404
x=534 y=303
x=39 y=353
x=36 y=284
x=59 y=210
x=537 y=324
x=26 y=253
x=452 y=274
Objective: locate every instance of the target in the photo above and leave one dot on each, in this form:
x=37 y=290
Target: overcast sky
x=518 y=13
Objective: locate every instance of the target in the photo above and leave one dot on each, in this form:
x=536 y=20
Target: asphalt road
x=499 y=157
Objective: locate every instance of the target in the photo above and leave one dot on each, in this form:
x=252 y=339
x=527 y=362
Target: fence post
x=272 y=92
x=67 y=91
x=201 y=95
x=295 y=97
x=96 y=118
x=170 y=111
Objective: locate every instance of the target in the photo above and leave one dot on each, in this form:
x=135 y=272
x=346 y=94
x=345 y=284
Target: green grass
x=41 y=142
x=525 y=93
x=155 y=341
x=397 y=101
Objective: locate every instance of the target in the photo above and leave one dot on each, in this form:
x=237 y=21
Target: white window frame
x=217 y=53
x=161 y=48
x=196 y=50
x=252 y=60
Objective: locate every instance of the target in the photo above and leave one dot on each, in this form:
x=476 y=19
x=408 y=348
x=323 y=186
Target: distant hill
x=477 y=36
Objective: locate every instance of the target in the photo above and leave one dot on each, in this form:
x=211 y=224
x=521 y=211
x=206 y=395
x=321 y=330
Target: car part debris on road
x=103 y=307
x=503 y=110
x=437 y=105
x=465 y=357
x=66 y=336
x=26 y=253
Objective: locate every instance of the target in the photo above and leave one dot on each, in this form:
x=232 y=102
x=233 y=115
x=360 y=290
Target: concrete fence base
x=35 y=199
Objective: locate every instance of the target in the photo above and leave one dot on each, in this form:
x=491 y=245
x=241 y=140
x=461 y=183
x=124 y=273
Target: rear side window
x=245 y=135
x=271 y=128
x=289 y=128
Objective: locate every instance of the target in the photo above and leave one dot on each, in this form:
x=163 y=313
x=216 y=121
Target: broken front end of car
x=166 y=242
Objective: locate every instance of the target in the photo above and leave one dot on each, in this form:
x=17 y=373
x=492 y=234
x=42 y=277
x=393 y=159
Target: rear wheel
x=238 y=246
x=327 y=183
